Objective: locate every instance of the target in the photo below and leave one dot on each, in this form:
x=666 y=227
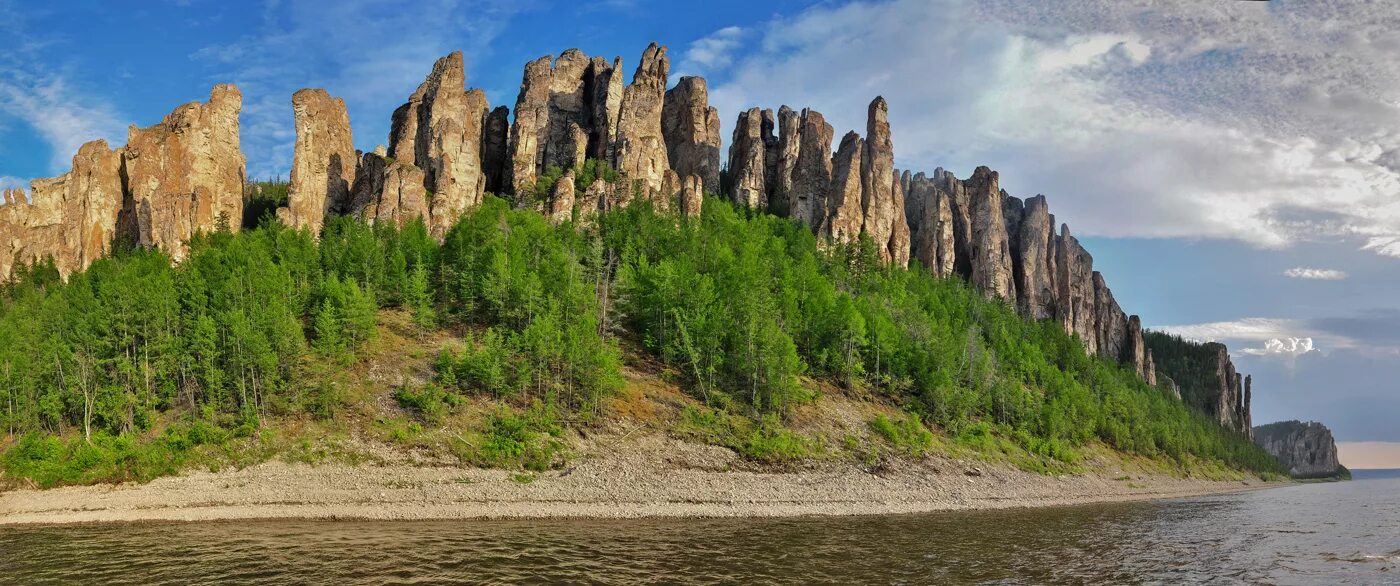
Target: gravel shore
x=615 y=476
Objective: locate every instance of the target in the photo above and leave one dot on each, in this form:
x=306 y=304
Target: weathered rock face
x=1075 y=305
x=640 y=152
x=73 y=217
x=691 y=128
x=881 y=202
x=1227 y=407
x=323 y=162
x=1135 y=354
x=439 y=131
x=1117 y=337
x=495 y=144
x=530 y=133
x=844 y=214
x=1307 y=450
x=692 y=196
x=747 y=161
x=784 y=164
x=186 y=174
x=989 y=250
x=561 y=201
x=810 y=179
x=389 y=191
x=930 y=225
x=570 y=111
x=1036 y=245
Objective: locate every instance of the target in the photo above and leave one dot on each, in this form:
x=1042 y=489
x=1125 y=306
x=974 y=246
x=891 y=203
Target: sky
x=1234 y=167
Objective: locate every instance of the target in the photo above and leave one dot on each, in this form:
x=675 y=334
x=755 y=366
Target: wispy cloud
x=371 y=52
x=44 y=97
x=712 y=53
x=1315 y=274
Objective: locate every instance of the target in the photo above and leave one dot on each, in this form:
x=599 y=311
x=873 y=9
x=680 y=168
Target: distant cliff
x=1203 y=376
x=1305 y=449
x=447 y=148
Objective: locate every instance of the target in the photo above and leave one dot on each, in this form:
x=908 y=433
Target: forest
x=746 y=308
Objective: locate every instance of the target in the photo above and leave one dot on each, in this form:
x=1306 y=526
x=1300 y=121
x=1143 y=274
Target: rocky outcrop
x=1306 y=450
x=389 y=191
x=692 y=196
x=605 y=89
x=439 y=131
x=561 y=200
x=530 y=132
x=930 y=215
x=570 y=111
x=692 y=131
x=747 y=157
x=323 y=161
x=186 y=174
x=881 y=202
x=1118 y=336
x=786 y=152
x=1036 y=249
x=811 y=173
x=73 y=217
x=640 y=149
x=844 y=213
x=989 y=250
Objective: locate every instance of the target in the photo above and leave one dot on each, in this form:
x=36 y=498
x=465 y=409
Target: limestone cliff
x=324 y=160
x=1307 y=450
x=439 y=131
x=186 y=174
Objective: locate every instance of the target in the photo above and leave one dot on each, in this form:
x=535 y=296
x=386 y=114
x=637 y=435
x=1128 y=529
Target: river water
x=1335 y=533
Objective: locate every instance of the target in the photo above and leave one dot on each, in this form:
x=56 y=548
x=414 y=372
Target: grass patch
x=765 y=440
x=907 y=433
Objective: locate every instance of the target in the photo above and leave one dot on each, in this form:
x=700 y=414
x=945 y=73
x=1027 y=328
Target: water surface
x=1308 y=534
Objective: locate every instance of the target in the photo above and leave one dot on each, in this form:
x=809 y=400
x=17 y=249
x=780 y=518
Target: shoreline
x=654 y=476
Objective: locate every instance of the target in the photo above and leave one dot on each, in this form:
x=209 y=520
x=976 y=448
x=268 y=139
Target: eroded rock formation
x=439 y=131
x=323 y=162
x=1307 y=450
x=186 y=174
x=640 y=151
x=692 y=131
x=747 y=161
x=881 y=200
x=72 y=218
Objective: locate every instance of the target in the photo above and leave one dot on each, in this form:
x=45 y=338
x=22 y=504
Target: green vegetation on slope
x=1190 y=364
x=746 y=307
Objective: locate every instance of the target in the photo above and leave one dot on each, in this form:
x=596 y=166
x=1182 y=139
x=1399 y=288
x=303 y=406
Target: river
x=1328 y=533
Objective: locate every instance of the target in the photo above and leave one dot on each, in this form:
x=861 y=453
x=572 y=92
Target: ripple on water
x=1317 y=533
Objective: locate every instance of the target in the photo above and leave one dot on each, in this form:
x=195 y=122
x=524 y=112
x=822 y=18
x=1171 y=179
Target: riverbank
x=616 y=476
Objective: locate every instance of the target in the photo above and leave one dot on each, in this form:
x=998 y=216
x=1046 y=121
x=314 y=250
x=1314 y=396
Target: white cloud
x=1247 y=121
x=1250 y=329
x=372 y=54
x=1315 y=274
x=8 y=182
x=714 y=52
x=1286 y=346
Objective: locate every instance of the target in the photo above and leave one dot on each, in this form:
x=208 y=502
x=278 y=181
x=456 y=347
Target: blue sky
x=1233 y=166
